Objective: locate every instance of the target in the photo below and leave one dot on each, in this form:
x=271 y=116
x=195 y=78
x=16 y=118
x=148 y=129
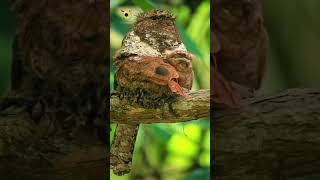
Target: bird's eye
x=154 y=18
x=183 y=64
x=162 y=71
x=125 y=13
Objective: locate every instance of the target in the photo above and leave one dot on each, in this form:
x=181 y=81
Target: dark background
x=7 y=31
x=294 y=52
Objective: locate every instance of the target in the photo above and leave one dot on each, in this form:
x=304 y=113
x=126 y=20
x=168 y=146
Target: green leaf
x=199 y=29
x=160 y=133
x=115 y=3
x=182 y=146
x=183 y=14
x=145 y=5
x=117 y=23
x=203 y=123
x=174 y=161
x=204 y=159
x=112 y=132
x=190 y=45
x=192 y=132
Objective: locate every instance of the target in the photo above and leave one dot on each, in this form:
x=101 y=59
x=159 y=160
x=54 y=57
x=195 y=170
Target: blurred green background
x=171 y=151
x=294 y=48
x=7 y=32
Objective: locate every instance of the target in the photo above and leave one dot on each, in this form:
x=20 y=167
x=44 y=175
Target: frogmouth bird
x=152 y=67
x=239 y=47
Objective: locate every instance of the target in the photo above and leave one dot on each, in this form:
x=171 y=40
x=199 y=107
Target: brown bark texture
x=267 y=138
x=270 y=138
x=194 y=106
x=52 y=122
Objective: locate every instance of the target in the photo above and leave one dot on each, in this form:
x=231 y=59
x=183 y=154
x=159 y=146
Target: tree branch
x=273 y=137
x=50 y=123
x=46 y=149
x=196 y=105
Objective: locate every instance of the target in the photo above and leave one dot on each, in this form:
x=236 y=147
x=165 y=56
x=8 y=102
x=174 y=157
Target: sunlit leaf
x=182 y=14
x=193 y=132
x=204 y=159
x=203 y=123
x=180 y=145
x=174 y=162
x=190 y=45
x=113 y=128
x=207 y=140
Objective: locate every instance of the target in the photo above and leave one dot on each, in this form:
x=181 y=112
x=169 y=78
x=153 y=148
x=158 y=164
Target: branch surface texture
x=274 y=137
x=196 y=105
x=271 y=137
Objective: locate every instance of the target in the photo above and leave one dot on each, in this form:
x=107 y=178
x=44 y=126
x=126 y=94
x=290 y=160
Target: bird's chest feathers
x=151 y=44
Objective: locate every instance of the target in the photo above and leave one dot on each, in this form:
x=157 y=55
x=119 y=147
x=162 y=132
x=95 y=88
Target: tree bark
x=270 y=138
x=196 y=105
x=275 y=137
x=53 y=121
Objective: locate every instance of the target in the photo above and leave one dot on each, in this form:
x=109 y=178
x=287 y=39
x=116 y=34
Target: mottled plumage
x=239 y=43
x=152 y=67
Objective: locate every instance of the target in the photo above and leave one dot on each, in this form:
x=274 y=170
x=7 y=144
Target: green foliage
x=7 y=33
x=5 y=58
x=199 y=174
x=145 y=5
x=293 y=59
x=308 y=178
x=173 y=150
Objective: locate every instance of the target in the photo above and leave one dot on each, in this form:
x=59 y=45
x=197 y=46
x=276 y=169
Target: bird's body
x=152 y=67
x=239 y=43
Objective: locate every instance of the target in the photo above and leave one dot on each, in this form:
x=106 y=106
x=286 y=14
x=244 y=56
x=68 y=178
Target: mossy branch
x=196 y=105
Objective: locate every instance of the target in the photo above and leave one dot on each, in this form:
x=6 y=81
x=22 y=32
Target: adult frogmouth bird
x=152 y=67
x=239 y=47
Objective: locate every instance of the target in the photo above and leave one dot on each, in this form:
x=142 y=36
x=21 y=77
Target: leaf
x=199 y=29
x=160 y=133
x=113 y=128
x=203 y=123
x=181 y=145
x=115 y=3
x=116 y=23
x=190 y=45
x=145 y=5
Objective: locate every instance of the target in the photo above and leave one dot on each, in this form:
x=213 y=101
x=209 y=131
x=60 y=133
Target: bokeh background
x=7 y=32
x=170 y=151
x=294 y=47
